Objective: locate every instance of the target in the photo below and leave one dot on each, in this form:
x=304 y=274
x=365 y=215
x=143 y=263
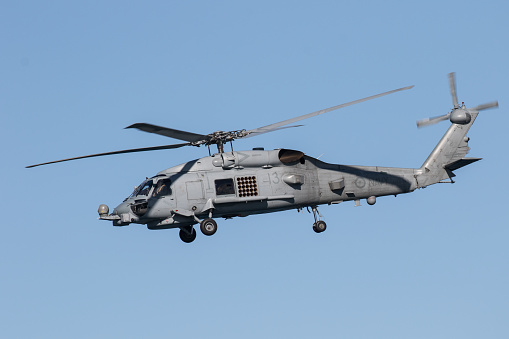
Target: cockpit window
x=143 y=189
x=162 y=188
x=136 y=190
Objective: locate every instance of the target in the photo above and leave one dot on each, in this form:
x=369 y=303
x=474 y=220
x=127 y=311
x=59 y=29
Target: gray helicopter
x=242 y=183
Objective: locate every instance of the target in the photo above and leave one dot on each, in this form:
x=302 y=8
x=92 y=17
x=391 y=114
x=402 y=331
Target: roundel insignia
x=360 y=182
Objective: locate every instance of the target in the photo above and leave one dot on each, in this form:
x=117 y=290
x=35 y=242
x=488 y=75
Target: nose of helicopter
x=120 y=215
x=104 y=211
x=120 y=209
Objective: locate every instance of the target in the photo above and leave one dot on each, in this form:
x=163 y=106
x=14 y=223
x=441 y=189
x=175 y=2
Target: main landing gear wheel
x=208 y=226
x=319 y=226
x=187 y=235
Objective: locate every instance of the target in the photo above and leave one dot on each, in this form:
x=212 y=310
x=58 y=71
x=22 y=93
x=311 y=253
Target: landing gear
x=208 y=226
x=319 y=226
x=187 y=234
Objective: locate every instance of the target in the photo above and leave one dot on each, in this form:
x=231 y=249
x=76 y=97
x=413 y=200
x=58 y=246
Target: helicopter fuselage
x=237 y=184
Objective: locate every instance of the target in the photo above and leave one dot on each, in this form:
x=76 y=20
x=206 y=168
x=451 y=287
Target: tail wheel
x=187 y=235
x=208 y=226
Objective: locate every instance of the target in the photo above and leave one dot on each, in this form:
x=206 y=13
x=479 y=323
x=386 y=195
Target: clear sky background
x=431 y=264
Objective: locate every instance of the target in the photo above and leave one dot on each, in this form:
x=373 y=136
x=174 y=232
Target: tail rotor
x=458 y=115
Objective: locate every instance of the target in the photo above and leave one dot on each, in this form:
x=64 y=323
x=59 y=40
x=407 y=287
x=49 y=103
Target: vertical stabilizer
x=449 y=154
x=450 y=150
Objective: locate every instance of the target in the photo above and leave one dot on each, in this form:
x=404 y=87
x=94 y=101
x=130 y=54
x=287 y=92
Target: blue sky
x=432 y=264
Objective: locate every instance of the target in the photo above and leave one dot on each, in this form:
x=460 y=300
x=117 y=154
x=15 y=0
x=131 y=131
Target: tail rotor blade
x=488 y=105
x=432 y=121
x=452 y=87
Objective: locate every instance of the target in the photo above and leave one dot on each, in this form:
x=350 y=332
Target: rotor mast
x=220 y=147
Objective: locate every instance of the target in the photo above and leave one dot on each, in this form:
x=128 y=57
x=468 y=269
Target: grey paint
x=300 y=184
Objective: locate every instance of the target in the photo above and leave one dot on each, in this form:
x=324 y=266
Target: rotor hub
x=222 y=137
x=460 y=116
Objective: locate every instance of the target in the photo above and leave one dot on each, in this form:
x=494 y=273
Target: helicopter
x=242 y=183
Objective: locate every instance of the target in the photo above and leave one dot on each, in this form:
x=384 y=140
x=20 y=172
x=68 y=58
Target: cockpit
x=153 y=188
x=142 y=189
x=148 y=189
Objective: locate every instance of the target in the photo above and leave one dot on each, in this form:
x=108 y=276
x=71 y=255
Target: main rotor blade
x=432 y=121
x=169 y=132
x=452 y=87
x=253 y=134
x=278 y=125
x=144 y=149
x=488 y=105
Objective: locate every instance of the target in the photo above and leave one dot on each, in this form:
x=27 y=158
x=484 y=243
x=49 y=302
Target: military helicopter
x=242 y=183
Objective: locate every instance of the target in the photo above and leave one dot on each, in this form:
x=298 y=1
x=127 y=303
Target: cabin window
x=224 y=187
x=162 y=188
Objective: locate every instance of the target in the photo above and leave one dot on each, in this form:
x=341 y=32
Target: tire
x=186 y=237
x=320 y=226
x=208 y=226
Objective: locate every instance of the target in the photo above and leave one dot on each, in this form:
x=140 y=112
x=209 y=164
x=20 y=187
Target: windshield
x=145 y=189
x=142 y=189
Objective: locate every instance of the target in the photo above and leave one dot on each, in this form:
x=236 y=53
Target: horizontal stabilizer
x=460 y=163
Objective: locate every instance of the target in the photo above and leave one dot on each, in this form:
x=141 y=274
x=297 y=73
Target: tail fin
x=448 y=155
